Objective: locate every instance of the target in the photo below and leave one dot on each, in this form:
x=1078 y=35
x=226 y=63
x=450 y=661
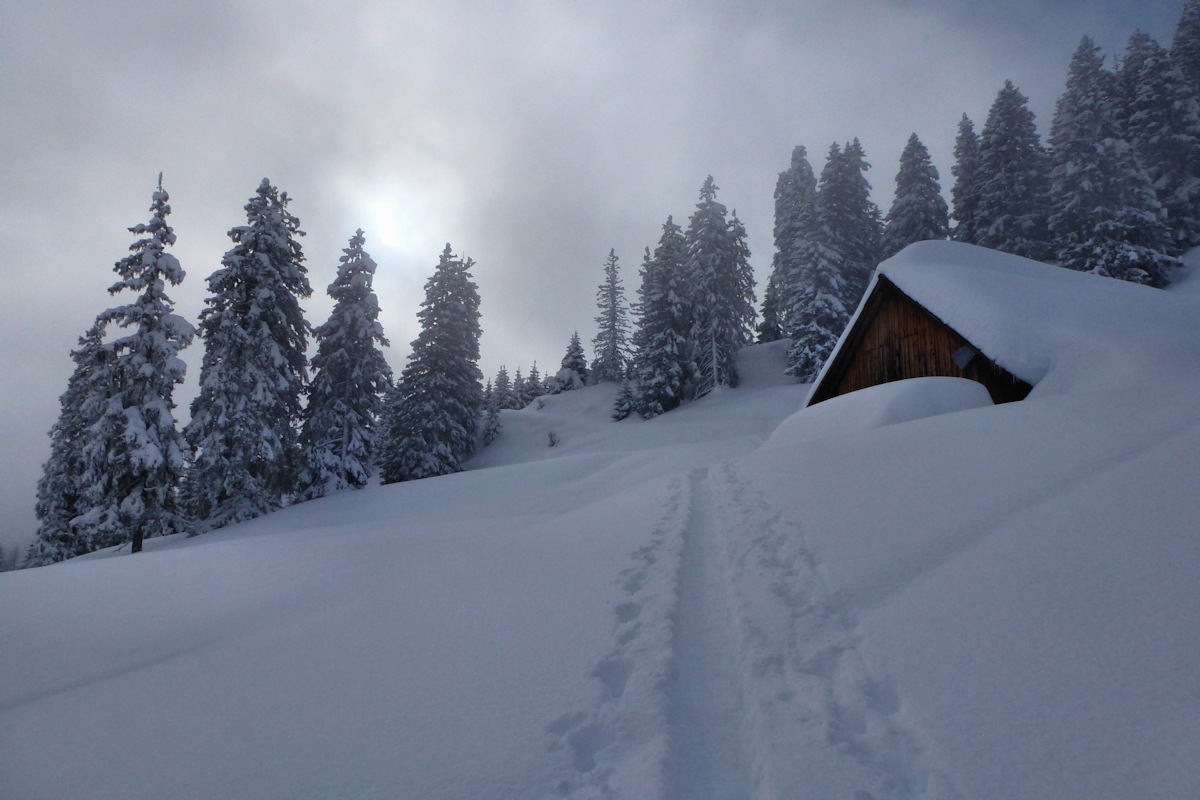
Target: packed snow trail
x=616 y=747
x=734 y=671
x=707 y=757
x=826 y=727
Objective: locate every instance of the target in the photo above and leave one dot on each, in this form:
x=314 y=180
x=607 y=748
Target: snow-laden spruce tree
x=1105 y=216
x=1161 y=116
x=506 y=397
x=838 y=259
x=720 y=291
x=918 y=212
x=610 y=347
x=60 y=489
x=819 y=313
x=519 y=391
x=850 y=221
x=795 y=198
x=1012 y=178
x=1185 y=48
x=534 y=387
x=434 y=407
x=491 y=416
x=625 y=402
x=245 y=418
x=661 y=360
x=965 y=194
x=573 y=369
x=340 y=433
x=133 y=454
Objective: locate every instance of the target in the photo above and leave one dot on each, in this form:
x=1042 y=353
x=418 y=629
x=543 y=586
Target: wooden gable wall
x=896 y=338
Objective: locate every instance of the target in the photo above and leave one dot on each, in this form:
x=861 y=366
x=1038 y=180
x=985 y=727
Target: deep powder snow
x=903 y=593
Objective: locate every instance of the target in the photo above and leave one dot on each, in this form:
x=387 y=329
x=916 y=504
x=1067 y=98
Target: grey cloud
x=533 y=136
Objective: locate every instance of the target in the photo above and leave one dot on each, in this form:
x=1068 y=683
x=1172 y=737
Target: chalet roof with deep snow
x=1033 y=319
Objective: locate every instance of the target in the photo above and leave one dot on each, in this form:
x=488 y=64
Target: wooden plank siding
x=896 y=338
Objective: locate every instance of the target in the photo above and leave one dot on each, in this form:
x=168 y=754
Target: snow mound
x=877 y=406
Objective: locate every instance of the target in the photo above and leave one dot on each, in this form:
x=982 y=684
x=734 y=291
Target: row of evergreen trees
x=261 y=433
x=1116 y=192
x=695 y=310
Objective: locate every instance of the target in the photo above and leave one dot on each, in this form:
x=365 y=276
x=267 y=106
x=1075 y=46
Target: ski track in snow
x=616 y=748
x=709 y=752
x=825 y=726
x=734 y=672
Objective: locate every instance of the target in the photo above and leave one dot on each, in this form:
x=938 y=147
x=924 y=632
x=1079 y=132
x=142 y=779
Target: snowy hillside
x=903 y=593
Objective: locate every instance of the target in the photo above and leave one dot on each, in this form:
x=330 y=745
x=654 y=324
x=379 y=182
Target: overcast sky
x=532 y=136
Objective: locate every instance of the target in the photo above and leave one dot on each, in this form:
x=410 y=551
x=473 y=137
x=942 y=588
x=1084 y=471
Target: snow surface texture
x=903 y=593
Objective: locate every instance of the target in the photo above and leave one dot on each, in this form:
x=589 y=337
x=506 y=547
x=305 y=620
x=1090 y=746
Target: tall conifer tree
x=245 y=418
x=965 y=194
x=1161 y=116
x=60 y=497
x=519 y=390
x=135 y=455
x=434 y=407
x=350 y=378
x=850 y=220
x=1185 y=48
x=919 y=211
x=610 y=348
x=795 y=197
x=491 y=416
x=721 y=296
x=1014 y=190
x=1105 y=216
x=819 y=309
x=661 y=360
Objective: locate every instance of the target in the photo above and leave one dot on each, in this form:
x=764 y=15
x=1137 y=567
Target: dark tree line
x=120 y=470
x=695 y=310
x=1115 y=191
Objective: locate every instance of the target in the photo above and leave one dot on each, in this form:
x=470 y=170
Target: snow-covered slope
x=902 y=593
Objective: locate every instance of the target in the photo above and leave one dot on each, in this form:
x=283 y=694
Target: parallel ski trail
x=618 y=747
x=825 y=725
x=708 y=756
x=735 y=671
